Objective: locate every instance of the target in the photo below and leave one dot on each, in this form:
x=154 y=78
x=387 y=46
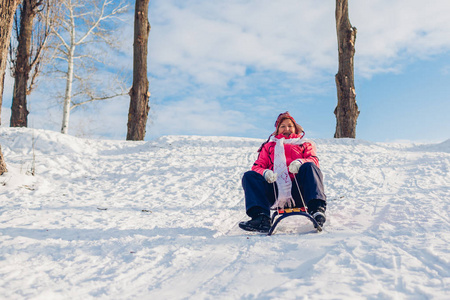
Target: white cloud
x=215 y=42
x=195 y=116
x=390 y=32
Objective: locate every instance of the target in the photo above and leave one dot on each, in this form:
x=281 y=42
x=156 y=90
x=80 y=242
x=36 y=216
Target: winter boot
x=260 y=223
x=319 y=216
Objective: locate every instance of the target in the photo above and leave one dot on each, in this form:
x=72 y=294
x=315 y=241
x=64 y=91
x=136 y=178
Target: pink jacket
x=305 y=152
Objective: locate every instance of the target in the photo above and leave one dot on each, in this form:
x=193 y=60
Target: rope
x=300 y=193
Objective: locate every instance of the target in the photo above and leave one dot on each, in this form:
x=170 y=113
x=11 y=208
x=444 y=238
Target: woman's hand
x=270 y=176
x=295 y=166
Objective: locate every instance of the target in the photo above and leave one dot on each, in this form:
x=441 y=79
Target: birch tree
x=85 y=23
x=7 y=10
x=346 y=110
x=33 y=22
x=139 y=94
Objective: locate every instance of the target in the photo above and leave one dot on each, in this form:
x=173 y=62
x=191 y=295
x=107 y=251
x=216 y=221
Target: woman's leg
x=259 y=194
x=310 y=180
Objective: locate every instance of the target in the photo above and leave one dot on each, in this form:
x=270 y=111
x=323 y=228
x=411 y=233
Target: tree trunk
x=346 y=110
x=7 y=10
x=69 y=76
x=68 y=93
x=139 y=94
x=2 y=163
x=19 y=112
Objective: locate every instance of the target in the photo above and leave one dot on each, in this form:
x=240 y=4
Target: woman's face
x=286 y=128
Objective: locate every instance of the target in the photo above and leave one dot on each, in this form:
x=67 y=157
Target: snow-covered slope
x=157 y=220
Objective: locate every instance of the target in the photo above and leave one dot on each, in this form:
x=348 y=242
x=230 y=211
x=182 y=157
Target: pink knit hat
x=284 y=116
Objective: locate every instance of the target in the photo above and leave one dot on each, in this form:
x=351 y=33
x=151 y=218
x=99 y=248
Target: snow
x=158 y=220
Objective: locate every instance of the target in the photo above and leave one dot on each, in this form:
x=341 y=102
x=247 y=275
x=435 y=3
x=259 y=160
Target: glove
x=295 y=166
x=270 y=176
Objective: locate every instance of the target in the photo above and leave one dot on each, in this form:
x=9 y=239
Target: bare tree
x=7 y=10
x=27 y=57
x=346 y=110
x=82 y=26
x=139 y=94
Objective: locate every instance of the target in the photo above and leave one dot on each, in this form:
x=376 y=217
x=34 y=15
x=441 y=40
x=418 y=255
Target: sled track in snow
x=386 y=235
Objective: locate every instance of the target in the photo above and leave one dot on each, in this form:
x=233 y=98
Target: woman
x=271 y=182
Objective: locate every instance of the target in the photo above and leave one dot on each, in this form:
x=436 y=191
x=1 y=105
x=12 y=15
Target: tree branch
x=74 y=105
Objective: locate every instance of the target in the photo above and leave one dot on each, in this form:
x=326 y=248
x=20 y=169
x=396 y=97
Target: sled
x=281 y=214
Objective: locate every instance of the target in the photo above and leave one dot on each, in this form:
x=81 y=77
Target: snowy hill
x=157 y=220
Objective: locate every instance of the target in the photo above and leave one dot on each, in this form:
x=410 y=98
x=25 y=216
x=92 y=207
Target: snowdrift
x=157 y=220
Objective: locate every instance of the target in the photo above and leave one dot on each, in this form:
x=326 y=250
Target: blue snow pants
x=260 y=195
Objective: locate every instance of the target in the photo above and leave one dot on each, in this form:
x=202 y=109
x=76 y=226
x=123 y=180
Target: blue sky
x=230 y=67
